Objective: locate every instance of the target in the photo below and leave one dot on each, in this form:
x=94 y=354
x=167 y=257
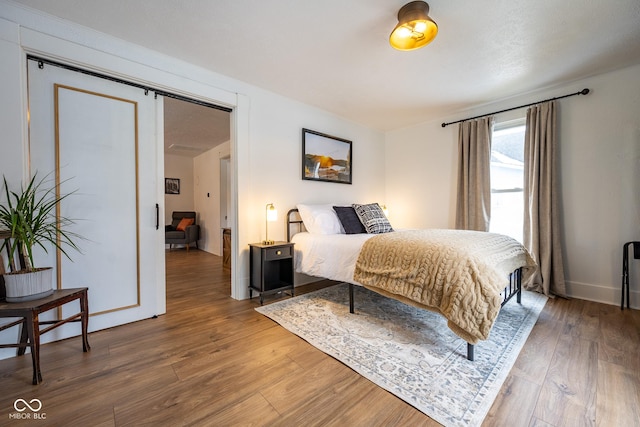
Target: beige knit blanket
x=457 y=273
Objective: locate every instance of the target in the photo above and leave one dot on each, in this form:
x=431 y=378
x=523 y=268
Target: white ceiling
x=335 y=54
x=191 y=129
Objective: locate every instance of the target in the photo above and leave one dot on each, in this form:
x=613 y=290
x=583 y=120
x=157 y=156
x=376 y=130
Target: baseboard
x=603 y=294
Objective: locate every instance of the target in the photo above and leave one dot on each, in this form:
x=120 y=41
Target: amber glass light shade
x=415 y=28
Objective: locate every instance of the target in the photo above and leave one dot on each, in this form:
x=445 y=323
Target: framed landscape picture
x=325 y=157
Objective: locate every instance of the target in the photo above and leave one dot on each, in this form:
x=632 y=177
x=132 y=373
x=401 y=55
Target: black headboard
x=293 y=219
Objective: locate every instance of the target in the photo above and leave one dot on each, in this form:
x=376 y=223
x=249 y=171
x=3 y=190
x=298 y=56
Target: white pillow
x=320 y=219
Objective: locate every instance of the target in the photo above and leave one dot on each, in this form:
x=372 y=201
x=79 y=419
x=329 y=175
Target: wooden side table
x=29 y=312
x=271 y=268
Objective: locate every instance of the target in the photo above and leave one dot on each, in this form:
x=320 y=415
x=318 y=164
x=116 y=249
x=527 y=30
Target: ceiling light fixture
x=415 y=28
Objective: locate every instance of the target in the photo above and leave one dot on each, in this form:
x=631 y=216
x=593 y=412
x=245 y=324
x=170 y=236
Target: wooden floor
x=214 y=361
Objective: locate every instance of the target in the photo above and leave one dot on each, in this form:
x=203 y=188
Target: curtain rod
x=582 y=92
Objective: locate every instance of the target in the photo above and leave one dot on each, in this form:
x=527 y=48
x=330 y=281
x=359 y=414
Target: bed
x=465 y=276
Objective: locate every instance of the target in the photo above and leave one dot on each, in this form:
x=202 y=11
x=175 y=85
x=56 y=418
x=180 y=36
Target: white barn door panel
x=100 y=138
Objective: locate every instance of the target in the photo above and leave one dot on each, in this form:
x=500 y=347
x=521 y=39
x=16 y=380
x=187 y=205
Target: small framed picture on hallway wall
x=171 y=186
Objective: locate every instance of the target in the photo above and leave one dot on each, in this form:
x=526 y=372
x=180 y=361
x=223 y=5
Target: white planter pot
x=22 y=286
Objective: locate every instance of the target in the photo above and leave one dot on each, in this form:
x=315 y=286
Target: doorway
x=196 y=145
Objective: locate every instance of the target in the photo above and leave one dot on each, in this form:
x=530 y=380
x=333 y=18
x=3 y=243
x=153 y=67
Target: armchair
x=175 y=234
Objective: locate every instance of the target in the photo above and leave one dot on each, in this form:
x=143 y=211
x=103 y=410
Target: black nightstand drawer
x=277 y=253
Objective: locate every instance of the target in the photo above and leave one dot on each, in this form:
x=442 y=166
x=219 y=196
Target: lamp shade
x=415 y=28
x=272 y=213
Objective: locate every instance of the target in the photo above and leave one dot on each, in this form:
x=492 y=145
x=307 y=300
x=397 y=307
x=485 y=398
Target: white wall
x=276 y=163
x=12 y=106
x=182 y=168
x=421 y=176
x=207 y=196
x=12 y=123
x=599 y=166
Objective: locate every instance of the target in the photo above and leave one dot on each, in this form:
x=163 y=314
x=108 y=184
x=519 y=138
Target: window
x=507 y=179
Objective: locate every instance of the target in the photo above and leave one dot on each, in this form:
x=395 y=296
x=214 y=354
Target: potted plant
x=30 y=218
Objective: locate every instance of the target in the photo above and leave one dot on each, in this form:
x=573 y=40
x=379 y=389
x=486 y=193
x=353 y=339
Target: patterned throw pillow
x=373 y=218
x=349 y=220
x=184 y=223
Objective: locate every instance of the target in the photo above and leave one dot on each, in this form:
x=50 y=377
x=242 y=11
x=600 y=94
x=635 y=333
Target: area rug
x=411 y=352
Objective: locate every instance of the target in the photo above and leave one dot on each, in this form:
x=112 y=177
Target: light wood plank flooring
x=212 y=361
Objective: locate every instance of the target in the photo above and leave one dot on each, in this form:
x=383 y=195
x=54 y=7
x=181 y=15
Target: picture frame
x=171 y=186
x=326 y=158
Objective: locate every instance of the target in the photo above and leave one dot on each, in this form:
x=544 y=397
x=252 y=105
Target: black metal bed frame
x=513 y=288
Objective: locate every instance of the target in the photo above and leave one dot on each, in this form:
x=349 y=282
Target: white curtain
x=541 y=189
x=473 y=207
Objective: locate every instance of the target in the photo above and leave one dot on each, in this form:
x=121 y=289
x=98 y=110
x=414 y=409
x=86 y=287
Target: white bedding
x=331 y=256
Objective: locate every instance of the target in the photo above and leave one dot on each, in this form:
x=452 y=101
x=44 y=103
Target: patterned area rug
x=411 y=352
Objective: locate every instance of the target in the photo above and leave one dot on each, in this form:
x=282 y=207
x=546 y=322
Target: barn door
x=97 y=138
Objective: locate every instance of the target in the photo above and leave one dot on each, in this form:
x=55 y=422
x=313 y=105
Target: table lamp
x=271 y=215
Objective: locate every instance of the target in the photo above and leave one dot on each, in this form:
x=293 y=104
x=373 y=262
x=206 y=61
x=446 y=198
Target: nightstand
x=271 y=268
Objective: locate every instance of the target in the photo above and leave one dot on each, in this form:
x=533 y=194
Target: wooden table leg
x=84 y=308
x=24 y=338
x=33 y=330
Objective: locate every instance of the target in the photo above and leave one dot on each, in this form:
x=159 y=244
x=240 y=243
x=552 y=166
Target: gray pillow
x=349 y=220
